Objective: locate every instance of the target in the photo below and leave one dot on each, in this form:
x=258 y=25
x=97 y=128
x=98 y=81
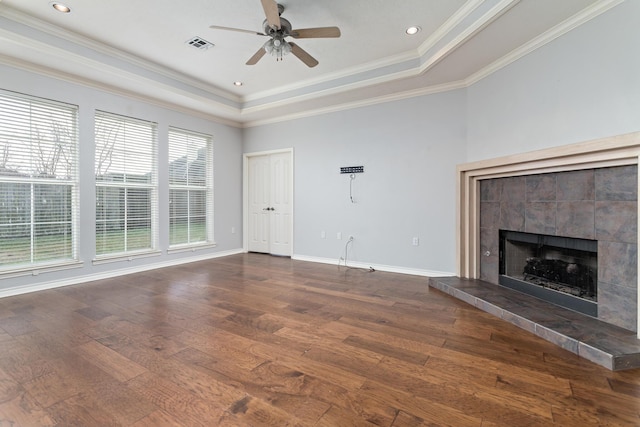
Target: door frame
x=245 y=193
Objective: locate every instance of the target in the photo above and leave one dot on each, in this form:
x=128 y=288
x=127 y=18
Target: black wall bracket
x=352 y=169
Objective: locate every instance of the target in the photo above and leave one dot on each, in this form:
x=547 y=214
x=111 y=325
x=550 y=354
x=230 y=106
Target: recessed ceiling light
x=237 y=83
x=60 y=7
x=412 y=30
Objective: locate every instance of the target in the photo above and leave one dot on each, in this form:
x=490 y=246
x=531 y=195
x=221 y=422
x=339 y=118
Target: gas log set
x=563 y=276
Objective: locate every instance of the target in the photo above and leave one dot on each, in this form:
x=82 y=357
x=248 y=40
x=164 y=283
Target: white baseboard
x=19 y=290
x=380 y=267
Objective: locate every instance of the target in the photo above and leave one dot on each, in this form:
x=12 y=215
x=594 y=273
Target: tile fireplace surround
x=595 y=204
x=587 y=190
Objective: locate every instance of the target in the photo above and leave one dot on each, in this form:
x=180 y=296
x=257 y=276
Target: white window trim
x=153 y=186
x=125 y=256
x=191 y=247
x=209 y=191
x=35 y=268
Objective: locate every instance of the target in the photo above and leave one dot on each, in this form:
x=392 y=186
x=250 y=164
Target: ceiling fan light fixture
x=278 y=29
x=412 y=30
x=277 y=47
x=60 y=7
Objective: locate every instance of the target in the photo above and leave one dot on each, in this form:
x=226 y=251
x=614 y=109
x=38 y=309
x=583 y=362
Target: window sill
x=124 y=257
x=191 y=248
x=33 y=270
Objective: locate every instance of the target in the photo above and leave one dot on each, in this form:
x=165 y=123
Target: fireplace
x=587 y=190
x=561 y=270
x=598 y=205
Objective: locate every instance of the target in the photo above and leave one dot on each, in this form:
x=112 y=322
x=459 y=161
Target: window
x=126 y=185
x=190 y=188
x=38 y=182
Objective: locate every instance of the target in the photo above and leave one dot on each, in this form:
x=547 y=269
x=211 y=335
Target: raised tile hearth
x=587 y=190
x=597 y=205
x=605 y=344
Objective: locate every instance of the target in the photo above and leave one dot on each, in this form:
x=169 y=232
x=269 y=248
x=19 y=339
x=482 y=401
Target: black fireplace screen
x=561 y=264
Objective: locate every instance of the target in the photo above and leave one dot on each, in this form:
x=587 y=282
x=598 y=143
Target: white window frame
x=11 y=113
x=152 y=186
x=176 y=136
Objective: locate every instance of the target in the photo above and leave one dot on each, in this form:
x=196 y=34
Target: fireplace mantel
x=619 y=150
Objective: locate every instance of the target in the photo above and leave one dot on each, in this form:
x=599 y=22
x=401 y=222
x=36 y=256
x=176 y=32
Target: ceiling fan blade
x=271 y=12
x=240 y=30
x=303 y=55
x=310 y=33
x=256 y=56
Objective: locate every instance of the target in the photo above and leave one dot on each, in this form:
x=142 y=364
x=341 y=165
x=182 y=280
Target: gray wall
x=582 y=86
x=227 y=173
x=409 y=150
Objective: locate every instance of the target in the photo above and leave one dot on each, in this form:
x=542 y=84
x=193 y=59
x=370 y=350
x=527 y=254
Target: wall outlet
x=323 y=235
x=233 y=230
x=339 y=235
x=416 y=241
x=350 y=238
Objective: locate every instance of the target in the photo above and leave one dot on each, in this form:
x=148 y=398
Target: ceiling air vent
x=199 y=43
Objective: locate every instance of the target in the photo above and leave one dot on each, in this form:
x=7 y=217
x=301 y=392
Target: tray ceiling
x=141 y=48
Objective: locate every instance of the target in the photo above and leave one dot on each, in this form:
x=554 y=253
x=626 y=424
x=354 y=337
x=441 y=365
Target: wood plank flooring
x=254 y=340
x=600 y=342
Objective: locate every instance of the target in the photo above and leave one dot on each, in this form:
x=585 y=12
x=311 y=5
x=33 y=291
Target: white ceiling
x=139 y=47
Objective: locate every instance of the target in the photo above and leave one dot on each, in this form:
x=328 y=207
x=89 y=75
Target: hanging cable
x=344 y=258
x=353 y=177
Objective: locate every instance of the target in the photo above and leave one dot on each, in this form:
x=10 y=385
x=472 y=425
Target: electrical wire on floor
x=344 y=258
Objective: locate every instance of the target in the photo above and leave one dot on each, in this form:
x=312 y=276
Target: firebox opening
x=561 y=270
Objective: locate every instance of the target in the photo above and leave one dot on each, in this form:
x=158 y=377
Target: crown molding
x=419 y=54
x=370 y=67
x=430 y=90
x=494 y=13
x=338 y=75
x=502 y=7
x=102 y=48
x=240 y=114
x=93 y=84
x=449 y=25
x=358 y=84
x=548 y=36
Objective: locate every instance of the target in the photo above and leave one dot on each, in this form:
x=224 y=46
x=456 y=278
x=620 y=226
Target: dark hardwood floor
x=254 y=340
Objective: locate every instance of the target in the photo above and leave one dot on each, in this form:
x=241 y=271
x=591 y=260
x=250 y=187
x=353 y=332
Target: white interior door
x=270 y=203
x=259 y=198
x=280 y=206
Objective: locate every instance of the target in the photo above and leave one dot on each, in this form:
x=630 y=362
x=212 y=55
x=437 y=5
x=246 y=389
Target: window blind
x=38 y=181
x=126 y=184
x=190 y=188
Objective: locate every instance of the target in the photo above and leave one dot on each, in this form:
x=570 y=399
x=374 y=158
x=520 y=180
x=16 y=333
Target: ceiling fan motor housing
x=278 y=28
x=285 y=28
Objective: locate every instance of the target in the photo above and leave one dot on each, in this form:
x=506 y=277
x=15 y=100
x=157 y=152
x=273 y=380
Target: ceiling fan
x=278 y=28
